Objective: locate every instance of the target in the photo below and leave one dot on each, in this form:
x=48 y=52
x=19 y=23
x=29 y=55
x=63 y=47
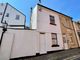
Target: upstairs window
x=52 y=20
x=7 y=15
x=17 y=17
x=54 y=39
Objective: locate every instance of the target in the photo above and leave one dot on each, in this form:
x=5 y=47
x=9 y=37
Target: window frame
x=7 y=15
x=56 y=44
x=17 y=17
x=52 y=20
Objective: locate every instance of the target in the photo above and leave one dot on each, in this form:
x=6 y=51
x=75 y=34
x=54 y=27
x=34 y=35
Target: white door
x=42 y=43
x=65 y=42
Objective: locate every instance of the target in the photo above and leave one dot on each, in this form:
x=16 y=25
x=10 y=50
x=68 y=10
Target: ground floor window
x=54 y=39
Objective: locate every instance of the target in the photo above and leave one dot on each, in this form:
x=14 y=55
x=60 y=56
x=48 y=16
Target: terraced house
x=77 y=30
x=68 y=32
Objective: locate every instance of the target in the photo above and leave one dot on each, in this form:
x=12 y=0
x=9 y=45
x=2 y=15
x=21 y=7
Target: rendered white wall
x=6 y=46
x=24 y=43
x=43 y=25
x=19 y=43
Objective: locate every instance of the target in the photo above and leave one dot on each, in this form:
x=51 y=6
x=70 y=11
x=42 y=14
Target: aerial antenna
x=31 y=12
x=39 y=1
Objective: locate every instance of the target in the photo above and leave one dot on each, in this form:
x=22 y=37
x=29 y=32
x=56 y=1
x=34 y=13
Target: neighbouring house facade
x=13 y=17
x=68 y=32
x=77 y=30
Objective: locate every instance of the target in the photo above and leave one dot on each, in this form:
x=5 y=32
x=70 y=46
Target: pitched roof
x=54 y=10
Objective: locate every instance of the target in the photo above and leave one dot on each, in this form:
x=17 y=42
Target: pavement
x=71 y=54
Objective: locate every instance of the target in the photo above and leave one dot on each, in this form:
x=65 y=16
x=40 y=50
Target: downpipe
x=4 y=30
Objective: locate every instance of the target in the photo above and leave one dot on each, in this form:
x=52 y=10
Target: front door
x=42 y=43
x=65 y=42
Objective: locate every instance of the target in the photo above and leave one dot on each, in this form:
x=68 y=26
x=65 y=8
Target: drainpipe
x=4 y=24
x=4 y=30
x=4 y=13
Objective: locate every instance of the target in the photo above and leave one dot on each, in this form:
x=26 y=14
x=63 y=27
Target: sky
x=68 y=7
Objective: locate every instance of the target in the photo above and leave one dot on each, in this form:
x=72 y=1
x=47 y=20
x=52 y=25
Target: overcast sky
x=68 y=7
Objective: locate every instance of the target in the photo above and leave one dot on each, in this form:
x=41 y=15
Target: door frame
x=44 y=41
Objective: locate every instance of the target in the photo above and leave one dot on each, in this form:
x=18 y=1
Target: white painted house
x=47 y=23
x=13 y=17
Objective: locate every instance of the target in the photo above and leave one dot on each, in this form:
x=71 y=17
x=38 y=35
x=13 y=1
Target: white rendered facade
x=40 y=21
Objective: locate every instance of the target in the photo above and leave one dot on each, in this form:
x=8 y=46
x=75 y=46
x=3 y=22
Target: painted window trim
x=55 y=45
x=53 y=20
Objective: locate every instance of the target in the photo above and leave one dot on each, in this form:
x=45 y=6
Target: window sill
x=55 y=45
x=53 y=24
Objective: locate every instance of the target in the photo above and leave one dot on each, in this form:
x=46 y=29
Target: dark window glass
x=17 y=17
x=0 y=13
x=52 y=20
x=7 y=15
x=54 y=38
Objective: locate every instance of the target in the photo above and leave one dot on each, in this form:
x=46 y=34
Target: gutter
x=4 y=30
